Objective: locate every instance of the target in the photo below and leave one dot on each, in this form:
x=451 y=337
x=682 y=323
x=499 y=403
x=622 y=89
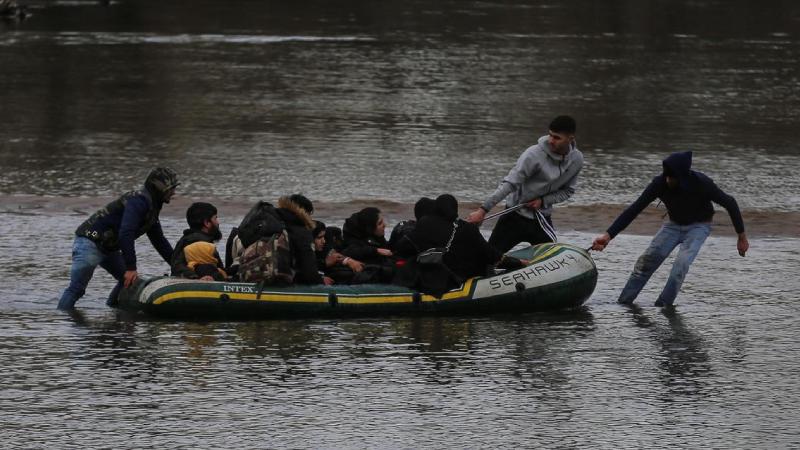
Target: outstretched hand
x=742 y=245
x=600 y=242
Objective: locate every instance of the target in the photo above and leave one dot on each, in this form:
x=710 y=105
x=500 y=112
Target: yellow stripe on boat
x=370 y=300
x=463 y=292
x=297 y=298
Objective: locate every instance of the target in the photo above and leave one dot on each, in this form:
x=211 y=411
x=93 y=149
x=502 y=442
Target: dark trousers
x=513 y=228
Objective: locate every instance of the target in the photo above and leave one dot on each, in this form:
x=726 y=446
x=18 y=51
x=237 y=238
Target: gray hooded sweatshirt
x=539 y=172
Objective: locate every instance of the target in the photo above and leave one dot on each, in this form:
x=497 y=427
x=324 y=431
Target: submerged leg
x=85 y=258
x=693 y=240
x=660 y=247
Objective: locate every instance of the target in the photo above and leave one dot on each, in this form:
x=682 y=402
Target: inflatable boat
x=559 y=276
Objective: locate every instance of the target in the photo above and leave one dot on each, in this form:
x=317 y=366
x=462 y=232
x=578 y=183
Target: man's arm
x=525 y=167
x=160 y=243
x=626 y=217
x=729 y=203
x=563 y=193
x=132 y=217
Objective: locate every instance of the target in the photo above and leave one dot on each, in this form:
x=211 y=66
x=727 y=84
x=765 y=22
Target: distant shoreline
x=582 y=218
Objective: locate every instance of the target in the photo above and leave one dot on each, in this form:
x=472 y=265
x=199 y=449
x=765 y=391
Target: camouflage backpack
x=268 y=261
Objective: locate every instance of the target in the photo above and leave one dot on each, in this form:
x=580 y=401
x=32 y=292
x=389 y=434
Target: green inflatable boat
x=559 y=276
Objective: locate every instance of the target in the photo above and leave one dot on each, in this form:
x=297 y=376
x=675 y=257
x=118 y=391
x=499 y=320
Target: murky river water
x=388 y=101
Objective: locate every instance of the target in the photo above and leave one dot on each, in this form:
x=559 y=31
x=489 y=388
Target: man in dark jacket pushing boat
x=545 y=174
x=106 y=239
x=687 y=194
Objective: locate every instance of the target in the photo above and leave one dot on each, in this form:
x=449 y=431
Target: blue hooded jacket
x=689 y=203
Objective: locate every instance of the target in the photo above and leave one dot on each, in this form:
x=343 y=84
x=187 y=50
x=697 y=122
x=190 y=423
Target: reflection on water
x=684 y=360
x=591 y=378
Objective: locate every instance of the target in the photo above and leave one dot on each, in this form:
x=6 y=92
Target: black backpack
x=401 y=230
x=261 y=221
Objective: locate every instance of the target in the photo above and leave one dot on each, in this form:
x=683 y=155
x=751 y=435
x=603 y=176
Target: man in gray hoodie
x=545 y=174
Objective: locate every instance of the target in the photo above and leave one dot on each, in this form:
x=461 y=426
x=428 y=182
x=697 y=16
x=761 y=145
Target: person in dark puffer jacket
x=195 y=254
x=295 y=212
x=106 y=239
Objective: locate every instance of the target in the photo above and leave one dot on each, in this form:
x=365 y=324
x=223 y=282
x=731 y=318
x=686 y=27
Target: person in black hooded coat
x=687 y=195
x=470 y=255
x=295 y=212
x=423 y=207
x=364 y=241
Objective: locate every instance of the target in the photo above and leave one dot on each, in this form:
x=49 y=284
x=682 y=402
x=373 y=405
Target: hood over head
x=319 y=227
x=303 y=216
x=303 y=202
x=333 y=239
x=447 y=207
x=679 y=165
x=159 y=181
x=363 y=223
x=425 y=206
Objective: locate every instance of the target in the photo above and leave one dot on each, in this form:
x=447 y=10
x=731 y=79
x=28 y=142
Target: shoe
x=622 y=301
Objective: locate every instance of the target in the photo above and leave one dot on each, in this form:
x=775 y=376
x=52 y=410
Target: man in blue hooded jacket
x=687 y=194
x=106 y=239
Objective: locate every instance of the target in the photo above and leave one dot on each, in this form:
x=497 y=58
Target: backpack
x=262 y=221
x=268 y=261
x=401 y=230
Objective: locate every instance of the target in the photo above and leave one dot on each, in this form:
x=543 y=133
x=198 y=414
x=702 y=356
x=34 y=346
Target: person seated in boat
x=330 y=260
x=423 y=207
x=195 y=254
x=295 y=211
x=341 y=269
x=364 y=241
x=467 y=254
x=334 y=239
x=292 y=214
x=233 y=251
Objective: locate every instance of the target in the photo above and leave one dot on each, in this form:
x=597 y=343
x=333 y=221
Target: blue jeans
x=689 y=237
x=86 y=256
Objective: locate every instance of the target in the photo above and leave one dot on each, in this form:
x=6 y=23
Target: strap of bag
x=450 y=241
